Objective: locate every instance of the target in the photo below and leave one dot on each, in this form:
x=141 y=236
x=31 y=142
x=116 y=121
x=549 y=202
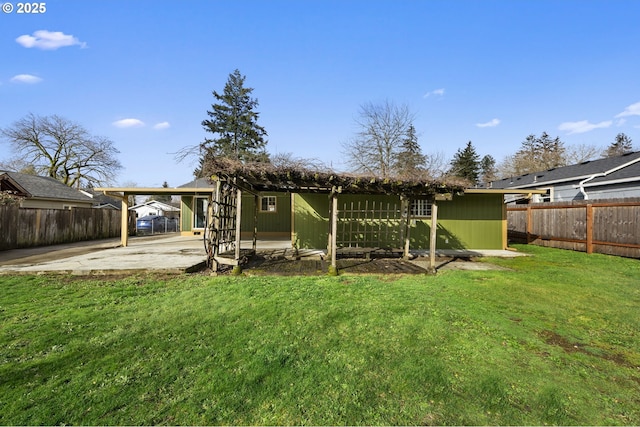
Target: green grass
x=555 y=340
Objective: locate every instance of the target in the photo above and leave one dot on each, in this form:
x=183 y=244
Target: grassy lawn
x=555 y=340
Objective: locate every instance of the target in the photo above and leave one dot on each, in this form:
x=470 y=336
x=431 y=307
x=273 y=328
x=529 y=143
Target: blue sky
x=492 y=72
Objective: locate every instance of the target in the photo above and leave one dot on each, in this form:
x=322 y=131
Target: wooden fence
x=611 y=227
x=29 y=227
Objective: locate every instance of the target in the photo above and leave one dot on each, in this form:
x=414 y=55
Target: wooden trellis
x=367 y=224
x=223 y=230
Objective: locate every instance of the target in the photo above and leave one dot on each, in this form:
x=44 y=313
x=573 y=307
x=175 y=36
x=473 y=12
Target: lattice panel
x=224 y=213
x=367 y=224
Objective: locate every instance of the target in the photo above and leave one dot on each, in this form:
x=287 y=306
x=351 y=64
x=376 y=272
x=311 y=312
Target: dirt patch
x=553 y=338
x=318 y=265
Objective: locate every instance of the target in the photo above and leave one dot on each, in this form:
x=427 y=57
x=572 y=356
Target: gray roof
x=578 y=172
x=100 y=199
x=198 y=183
x=41 y=187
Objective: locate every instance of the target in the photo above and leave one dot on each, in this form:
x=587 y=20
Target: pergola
x=258 y=177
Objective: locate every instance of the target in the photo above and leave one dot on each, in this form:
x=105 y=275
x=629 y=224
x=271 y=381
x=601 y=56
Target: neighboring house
x=102 y=201
x=154 y=207
x=609 y=178
x=43 y=192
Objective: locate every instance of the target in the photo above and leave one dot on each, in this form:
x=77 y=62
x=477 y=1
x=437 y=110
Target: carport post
x=124 y=220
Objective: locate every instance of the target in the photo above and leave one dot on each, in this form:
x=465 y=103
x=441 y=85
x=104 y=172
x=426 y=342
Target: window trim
x=275 y=204
x=418 y=206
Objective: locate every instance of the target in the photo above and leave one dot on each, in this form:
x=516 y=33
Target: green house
x=467 y=221
x=470 y=220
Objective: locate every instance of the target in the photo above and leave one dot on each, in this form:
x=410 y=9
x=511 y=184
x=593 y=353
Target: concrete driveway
x=161 y=253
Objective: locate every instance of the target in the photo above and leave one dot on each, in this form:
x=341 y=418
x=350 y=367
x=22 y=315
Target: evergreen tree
x=466 y=164
x=620 y=146
x=409 y=161
x=234 y=123
x=538 y=154
x=164 y=198
x=488 y=169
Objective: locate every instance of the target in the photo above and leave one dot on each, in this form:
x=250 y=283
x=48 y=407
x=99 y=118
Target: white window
x=268 y=204
x=421 y=208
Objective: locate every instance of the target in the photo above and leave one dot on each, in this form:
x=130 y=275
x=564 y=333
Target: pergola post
x=238 y=218
x=124 y=220
x=333 y=233
x=433 y=237
x=406 y=206
x=256 y=200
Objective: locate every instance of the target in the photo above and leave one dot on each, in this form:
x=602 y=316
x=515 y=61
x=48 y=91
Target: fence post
x=529 y=226
x=589 y=228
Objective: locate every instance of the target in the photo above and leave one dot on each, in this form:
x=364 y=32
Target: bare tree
x=289 y=161
x=579 y=153
x=64 y=150
x=436 y=165
x=382 y=130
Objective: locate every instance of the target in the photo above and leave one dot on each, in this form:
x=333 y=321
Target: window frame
x=421 y=208
x=268 y=205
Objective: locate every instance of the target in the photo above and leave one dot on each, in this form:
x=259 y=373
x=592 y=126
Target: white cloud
x=583 y=126
x=128 y=123
x=49 y=40
x=437 y=92
x=26 y=78
x=620 y=122
x=491 y=124
x=162 y=126
x=631 y=110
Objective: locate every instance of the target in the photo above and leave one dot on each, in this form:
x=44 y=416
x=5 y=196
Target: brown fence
x=28 y=227
x=611 y=227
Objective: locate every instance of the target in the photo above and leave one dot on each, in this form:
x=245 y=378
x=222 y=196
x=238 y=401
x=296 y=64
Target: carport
x=123 y=194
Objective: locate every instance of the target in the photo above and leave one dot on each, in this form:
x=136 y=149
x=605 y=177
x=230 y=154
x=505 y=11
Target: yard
x=553 y=340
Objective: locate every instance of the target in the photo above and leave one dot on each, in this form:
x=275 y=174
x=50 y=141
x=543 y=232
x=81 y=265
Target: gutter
x=582 y=183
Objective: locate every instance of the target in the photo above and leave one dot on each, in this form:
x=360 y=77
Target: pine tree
x=620 y=146
x=233 y=122
x=488 y=169
x=466 y=164
x=164 y=198
x=538 y=154
x=409 y=161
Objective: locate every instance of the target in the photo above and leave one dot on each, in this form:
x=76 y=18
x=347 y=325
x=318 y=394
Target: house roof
x=620 y=168
x=157 y=204
x=197 y=183
x=102 y=200
x=41 y=187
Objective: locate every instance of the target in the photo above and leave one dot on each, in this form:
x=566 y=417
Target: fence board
x=29 y=227
x=609 y=227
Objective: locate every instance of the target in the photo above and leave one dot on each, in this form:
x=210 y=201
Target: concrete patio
x=174 y=254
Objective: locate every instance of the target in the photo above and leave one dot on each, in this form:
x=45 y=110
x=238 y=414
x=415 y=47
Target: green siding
x=186 y=213
x=472 y=221
x=270 y=222
x=311 y=220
